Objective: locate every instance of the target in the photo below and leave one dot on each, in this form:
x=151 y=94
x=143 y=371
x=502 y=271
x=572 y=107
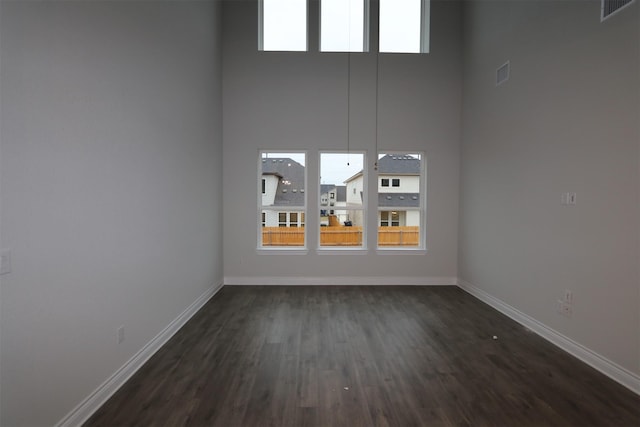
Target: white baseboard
x=590 y=357
x=341 y=281
x=95 y=400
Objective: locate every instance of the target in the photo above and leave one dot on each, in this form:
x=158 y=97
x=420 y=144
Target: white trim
x=340 y=281
x=282 y=250
x=401 y=251
x=588 y=356
x=81 y=413
x=341 y=250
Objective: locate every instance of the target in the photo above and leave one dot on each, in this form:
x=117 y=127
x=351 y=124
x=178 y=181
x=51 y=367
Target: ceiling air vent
x=611 y=7
x=502 y=74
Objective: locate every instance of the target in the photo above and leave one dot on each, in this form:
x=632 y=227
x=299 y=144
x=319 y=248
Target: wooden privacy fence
x=340 y=236
x=282 y=236
x=398 y=236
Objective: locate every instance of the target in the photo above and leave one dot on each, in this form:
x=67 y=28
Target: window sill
x=342 y=251
x=282 y=251
x=401 y=251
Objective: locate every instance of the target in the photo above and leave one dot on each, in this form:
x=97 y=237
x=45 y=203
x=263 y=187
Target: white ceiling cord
x=375 y=165
x=348 y=106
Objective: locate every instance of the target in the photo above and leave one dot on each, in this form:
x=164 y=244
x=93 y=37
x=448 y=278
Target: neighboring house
x=282 y=187
x=333 y=197
x=398 y=190
x=355 y=198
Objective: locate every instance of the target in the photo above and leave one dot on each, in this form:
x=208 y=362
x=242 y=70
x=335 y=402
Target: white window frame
x=329 y=250
x=422 y=209
x=296 y=250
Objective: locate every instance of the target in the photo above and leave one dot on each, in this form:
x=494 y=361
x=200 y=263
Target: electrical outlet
x=568 y=198
x=567 y=310
x=568 y=296
x=564 y=308
x=120 y=334
x=5 y=262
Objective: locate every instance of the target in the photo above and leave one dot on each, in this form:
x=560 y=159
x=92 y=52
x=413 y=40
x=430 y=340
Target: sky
x=334 y=168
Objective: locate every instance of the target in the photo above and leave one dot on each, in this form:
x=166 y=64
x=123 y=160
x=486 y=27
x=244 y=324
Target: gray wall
x=111 y=184
x=298 y=101
x=566 y=121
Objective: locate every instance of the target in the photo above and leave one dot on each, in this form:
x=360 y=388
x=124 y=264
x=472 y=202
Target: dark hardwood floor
x=362 y=356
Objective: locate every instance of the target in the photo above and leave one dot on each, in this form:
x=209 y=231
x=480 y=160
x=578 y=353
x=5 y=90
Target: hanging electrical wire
x=348 y=104
x=375 y=165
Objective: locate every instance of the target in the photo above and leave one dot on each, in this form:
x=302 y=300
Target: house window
x=344 y=25
x=344 y=175
x=389 y=219
x=282 y=25
x=282 y=219
x=404 y=26
x=384 y=182
x=401 y=212
x=282 y=202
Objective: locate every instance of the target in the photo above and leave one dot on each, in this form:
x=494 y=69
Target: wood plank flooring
x=362 y=356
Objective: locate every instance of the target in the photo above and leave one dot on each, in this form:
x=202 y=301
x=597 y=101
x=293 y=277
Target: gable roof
x=290 y=189
x=401 y=164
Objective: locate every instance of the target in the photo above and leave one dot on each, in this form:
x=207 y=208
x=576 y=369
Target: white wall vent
x=502 y=73
x=611 y=7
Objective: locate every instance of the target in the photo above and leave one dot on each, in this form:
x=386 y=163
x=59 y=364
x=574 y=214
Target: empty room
x=320 y=212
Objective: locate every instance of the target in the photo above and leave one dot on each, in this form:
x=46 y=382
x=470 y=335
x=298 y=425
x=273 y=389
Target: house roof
x=325 y=188
x=399 y=200
x=291 y=189
x=400 y=164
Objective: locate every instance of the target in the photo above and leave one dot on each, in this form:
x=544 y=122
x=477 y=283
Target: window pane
x=401 y=24
x=283 y=201
x=284 y=25
x=400 y=207
x=342 y=217
x=342 y=25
